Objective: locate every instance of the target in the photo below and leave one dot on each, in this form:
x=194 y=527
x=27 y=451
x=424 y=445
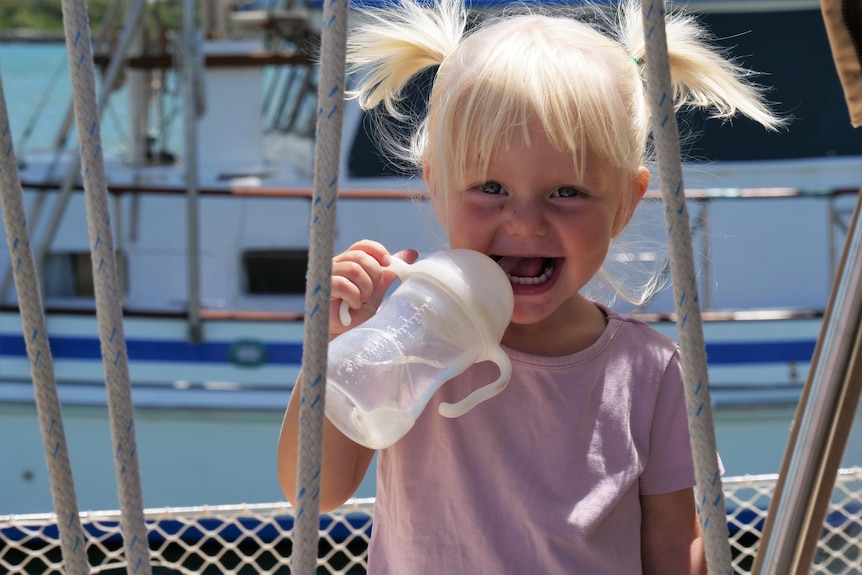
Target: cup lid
x=476 y=280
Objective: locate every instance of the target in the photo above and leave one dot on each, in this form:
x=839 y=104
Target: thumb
x=408 y=255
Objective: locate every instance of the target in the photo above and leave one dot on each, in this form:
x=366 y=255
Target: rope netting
x=258 y=539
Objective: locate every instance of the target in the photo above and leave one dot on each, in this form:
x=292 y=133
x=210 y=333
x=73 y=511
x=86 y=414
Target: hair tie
x=638 y=61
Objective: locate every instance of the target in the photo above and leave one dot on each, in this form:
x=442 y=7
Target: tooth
x=545 y=276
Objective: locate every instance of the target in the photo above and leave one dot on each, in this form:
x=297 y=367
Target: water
x=382 y=426
x=38 y=91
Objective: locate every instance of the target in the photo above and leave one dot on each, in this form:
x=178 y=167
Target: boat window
x=368 y=156
x=274 y=271
x=290 y=101
x=798 y=77
x=70 y=275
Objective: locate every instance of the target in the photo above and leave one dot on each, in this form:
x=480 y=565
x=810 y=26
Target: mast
x=138 y=96
x=191 y=88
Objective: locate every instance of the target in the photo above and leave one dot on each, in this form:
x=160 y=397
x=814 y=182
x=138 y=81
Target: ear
x=426 y=174
x=633 y=193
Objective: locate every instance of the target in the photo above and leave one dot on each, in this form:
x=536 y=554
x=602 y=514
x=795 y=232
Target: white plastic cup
x=449 y=312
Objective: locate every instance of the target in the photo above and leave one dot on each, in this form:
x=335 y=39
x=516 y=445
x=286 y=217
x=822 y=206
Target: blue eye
x=568 y=192
x=491 y=188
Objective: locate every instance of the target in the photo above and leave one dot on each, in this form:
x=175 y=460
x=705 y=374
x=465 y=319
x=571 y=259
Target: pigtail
x=701 y=75
x=391 y=46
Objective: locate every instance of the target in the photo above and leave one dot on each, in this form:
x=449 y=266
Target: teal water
x=38 y=90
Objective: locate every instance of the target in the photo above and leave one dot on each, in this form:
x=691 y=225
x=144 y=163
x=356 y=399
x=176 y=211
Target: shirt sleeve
x=669 y=466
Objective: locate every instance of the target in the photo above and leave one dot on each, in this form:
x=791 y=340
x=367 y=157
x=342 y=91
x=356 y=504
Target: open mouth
x=527 y=271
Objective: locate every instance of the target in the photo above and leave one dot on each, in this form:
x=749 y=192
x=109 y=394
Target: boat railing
x=701 y=198
x=257 y=538
x=396 y=188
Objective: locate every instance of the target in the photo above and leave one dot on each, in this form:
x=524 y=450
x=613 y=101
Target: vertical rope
x=105 y=278
x=708 y=491
x=330 y=112
x=41 y=361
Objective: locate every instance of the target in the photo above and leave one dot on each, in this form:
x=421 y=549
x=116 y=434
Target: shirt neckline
x=612 y=326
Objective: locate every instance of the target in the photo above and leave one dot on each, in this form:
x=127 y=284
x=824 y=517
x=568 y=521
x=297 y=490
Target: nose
x=527 y=218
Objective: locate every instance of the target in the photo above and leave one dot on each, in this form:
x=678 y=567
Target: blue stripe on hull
x=153 y=350
x=726 y=353
x=719 y=353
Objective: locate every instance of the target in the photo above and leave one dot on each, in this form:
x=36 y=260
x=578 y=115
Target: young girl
x=533 y=146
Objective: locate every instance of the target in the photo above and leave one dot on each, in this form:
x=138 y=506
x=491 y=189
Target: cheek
x=591 y=239
x=460 y=230
x=593 y=227
x=467 y=229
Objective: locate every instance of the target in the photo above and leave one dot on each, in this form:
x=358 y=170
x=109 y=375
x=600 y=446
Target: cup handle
x=400 y=267
x=459 y=408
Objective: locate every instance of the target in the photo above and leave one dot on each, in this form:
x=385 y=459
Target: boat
x=214 y=335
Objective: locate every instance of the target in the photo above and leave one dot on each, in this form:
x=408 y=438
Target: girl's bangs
x=575 y=123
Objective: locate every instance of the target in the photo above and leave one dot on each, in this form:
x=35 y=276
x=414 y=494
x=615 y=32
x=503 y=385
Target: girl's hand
x=360 y=278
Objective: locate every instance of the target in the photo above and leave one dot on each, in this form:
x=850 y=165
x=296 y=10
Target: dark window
x=70 y=274
x=368 y=157
x=791 y=52
x=275 y=271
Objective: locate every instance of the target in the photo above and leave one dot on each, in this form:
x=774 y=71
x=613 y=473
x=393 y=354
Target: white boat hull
x=207 y=430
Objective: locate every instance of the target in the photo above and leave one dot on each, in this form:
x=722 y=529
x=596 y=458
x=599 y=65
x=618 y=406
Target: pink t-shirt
x=546 y=476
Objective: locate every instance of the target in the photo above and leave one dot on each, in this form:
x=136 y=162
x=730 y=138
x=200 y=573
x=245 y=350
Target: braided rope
x=108 y=296
x=709 y=495
x=38 y=349
x=330 y=112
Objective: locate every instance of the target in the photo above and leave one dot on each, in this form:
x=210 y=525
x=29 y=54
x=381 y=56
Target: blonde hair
x=577 y=77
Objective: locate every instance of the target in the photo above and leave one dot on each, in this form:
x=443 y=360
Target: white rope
x=708 y=491
x=105 y=278
x=330 y=112
x=39 y=352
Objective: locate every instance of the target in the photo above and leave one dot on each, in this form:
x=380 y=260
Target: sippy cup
x=448 y=313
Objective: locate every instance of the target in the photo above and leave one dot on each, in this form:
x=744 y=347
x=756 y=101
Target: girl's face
x=531 y=205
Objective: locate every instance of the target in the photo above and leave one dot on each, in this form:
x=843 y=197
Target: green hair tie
x=638 y=61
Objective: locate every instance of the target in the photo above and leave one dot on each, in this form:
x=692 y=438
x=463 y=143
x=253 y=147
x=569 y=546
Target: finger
x=355 y=274
x=372 y=248
x=408 y=255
